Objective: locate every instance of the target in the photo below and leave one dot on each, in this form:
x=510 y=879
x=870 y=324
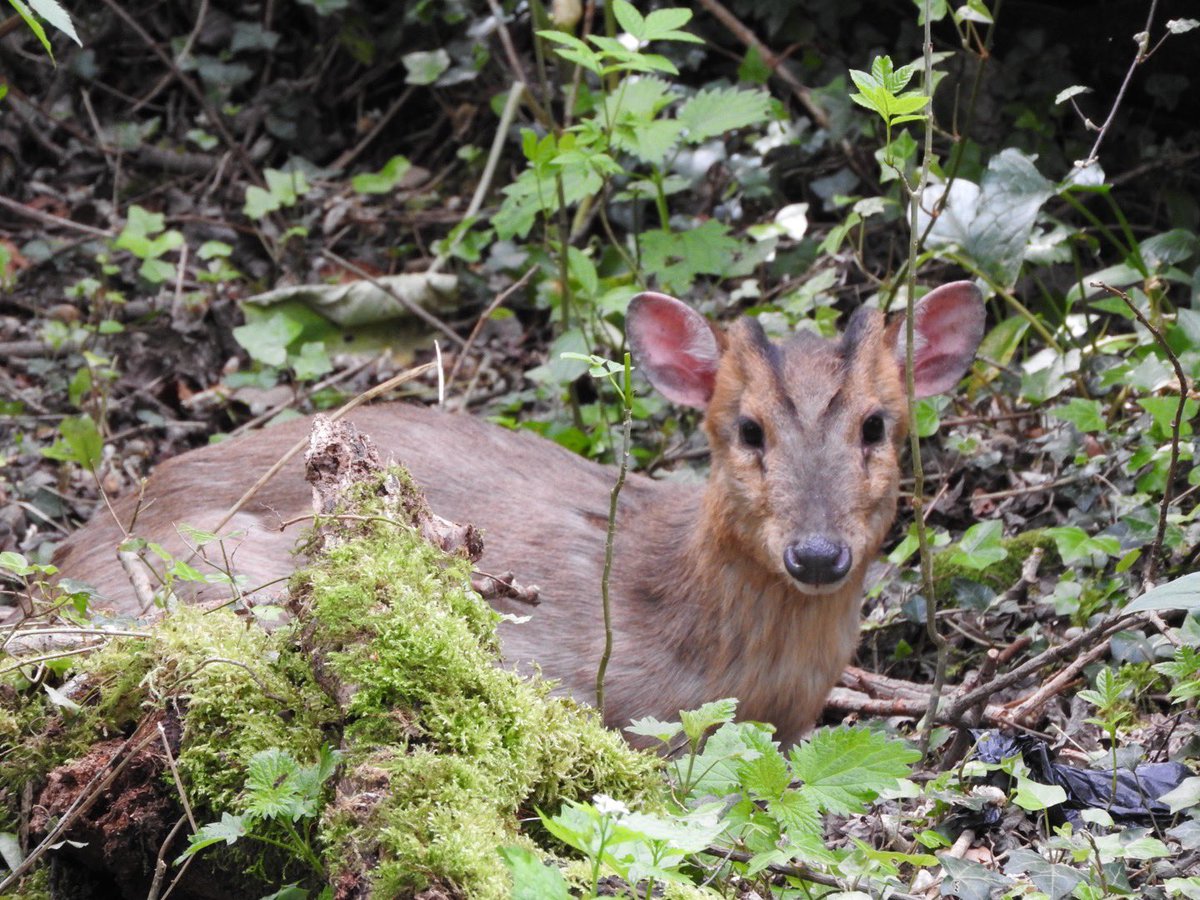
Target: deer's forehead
x=808 y=377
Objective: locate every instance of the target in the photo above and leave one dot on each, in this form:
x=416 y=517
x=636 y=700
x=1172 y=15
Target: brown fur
x=703 y=605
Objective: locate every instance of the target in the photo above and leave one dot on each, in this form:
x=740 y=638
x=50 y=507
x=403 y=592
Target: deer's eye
x=873 y=428
x=750 y=433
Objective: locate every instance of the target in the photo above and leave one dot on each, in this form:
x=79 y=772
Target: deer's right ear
x=675 y=348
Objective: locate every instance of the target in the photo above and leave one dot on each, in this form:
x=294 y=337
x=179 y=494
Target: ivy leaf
x=1086 y=415
x=1034 y=796
x=677 y=258
x=844 y=768
x=1074 y=544
x=1054 y=879
x=711 y=113
x=993 y=221
x=970 y=881
x=980 y=546
x=383 y=181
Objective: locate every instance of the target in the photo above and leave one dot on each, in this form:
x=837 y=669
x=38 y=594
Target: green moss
x=999 y=576
x=469 y=745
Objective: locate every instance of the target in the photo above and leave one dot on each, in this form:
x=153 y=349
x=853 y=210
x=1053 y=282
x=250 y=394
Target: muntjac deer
x=746 y=587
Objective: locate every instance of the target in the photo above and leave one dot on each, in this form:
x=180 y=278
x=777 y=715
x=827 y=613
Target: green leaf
x=712 y=112
x=844 y=768
x=532 y=879
x=993 y=222
x=981 y=546
x=630 y=19
x=1086 y=415
x=55 y=15
x=765 y=777
x=1181 y=593
x=698 y=721
x=267 y=339
x=229 y=829
x=1053 y=879
x=1035 y=796
x=1074 y=544
x=34 y=25
x=926 y=419
x=425 y=66
x=383 y=181
x=81 y=442
x=677 y=258
x=1185 y=796
x=1163 y=409
x=664 y=25
x=969 y=880
x=654 y=728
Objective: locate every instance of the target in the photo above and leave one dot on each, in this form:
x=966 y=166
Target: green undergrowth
x=1000 y=575
x=393 y=662
x=452 y=749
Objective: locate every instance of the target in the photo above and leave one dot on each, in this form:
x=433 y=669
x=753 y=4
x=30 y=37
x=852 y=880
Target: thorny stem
x=610 y=536
x=918 y=500
x=1151 y=567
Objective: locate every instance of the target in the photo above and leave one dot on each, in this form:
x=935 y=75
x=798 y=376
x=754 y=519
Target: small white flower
x=607 y=806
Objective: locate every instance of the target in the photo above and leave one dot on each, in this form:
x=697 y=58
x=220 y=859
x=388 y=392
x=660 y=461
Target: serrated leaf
x=55 y=15
x=844 y=768
x=32 y=23
x=697 y=721
x=629 y=18
x=229 y=829
x=711 y=113
x=766 y=777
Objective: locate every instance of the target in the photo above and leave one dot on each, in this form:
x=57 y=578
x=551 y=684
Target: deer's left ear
x=948 y=324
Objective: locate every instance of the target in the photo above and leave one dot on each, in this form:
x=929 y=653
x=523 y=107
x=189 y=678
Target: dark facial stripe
x=769 y=353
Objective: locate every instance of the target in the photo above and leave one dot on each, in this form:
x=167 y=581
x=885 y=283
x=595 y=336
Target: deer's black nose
x=816 y=559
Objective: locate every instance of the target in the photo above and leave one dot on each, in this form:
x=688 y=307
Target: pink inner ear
x=675 y=348
x=948 y=323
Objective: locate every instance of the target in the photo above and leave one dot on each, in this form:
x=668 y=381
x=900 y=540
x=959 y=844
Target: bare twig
x=1138 y=58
